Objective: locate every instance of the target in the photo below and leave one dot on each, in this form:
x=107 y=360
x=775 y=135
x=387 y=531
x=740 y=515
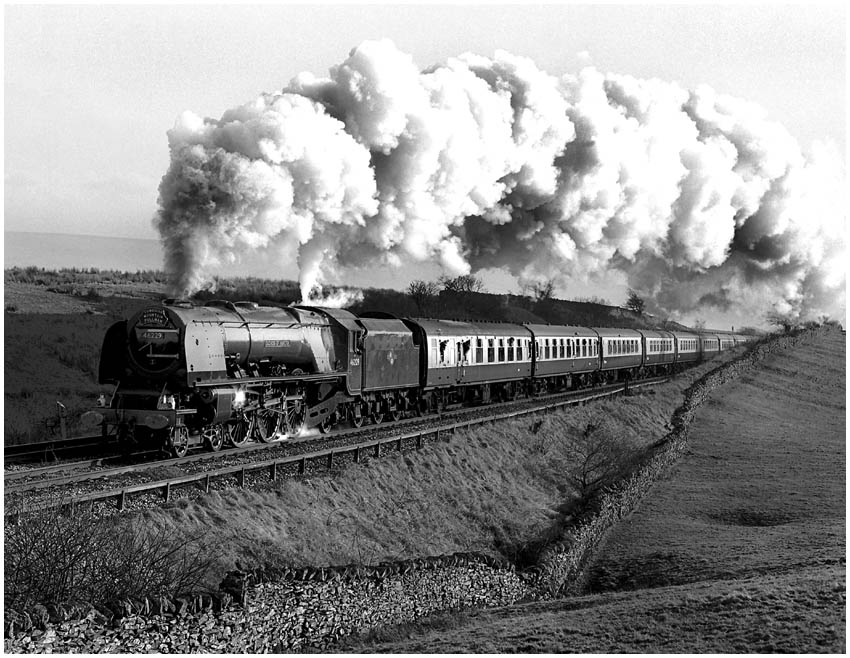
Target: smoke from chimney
x=696 y=197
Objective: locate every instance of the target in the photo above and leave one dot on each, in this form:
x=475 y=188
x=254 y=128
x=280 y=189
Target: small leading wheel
x=396 y=414
x=377 y=417
x=239 y=431
x=357 y=421
x=178 y=439
x=213 y=437
x=267 y=425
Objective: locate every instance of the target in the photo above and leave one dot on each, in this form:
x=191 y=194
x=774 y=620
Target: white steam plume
x=479 y=162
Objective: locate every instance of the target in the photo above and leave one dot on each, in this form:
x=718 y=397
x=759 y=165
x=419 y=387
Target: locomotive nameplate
x=276 y=343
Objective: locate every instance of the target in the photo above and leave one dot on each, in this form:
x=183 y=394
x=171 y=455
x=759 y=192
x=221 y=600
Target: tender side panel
x=390 y=356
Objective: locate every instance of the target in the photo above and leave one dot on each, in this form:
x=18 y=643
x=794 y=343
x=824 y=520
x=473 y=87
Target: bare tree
x=462 y=283
x=635 y=302
x=699 y=325
x=542 y=290
x=596 y=459
x=423 y=294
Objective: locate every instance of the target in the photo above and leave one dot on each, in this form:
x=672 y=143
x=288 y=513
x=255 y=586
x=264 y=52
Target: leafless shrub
x=52 y=556
x=596 y=458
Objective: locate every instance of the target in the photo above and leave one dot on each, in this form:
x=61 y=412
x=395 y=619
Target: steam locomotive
x=224 y=372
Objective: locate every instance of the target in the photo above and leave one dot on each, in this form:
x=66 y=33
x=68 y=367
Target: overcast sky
x=90 y=91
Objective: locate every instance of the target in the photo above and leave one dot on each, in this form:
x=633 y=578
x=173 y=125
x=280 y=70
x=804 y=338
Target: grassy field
x=741 y=549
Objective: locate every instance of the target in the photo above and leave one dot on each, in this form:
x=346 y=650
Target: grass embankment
x=741 y=549
x=499 y=489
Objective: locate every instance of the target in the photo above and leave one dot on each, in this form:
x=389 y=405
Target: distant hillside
x=449 y=305
x=93 y=285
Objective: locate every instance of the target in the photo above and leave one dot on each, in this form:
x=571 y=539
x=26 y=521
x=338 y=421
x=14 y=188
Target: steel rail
x=51 y=446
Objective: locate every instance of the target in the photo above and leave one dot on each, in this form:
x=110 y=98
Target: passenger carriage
x=709 y=346
x=687 y=347
x=564 y=356
x=474 y=361
x=621 y=350
x=659 y=350
x=727 y=342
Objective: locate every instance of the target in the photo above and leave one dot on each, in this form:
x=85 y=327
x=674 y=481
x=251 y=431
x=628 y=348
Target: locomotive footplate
x=155 y=419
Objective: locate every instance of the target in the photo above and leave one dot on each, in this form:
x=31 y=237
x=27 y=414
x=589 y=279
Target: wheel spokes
x=267 y=424
x=238 y=431
x=293 y=419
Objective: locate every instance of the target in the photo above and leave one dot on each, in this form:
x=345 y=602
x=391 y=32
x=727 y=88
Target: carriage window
x=584 y=346
x=491 y=350
x=510 y=349
x=444 y=352
x=465 y=349
x=479 y=350
x=519 y=343
x=501 y=350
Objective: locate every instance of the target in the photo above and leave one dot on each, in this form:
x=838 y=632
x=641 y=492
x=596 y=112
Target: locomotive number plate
x=277 y=343
x=153 y=335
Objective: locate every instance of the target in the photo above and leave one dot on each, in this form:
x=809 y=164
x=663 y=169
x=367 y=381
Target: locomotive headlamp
x=166 y=402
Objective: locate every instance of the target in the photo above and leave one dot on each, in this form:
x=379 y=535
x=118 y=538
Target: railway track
x=55 y=449
x=142 y=485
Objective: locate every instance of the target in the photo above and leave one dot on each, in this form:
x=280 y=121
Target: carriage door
x=459 y=359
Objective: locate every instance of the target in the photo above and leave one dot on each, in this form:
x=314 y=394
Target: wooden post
x=302 y=466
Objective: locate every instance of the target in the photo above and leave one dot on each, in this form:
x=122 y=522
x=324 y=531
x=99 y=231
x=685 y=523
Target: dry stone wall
x=261 y=612
x=312 y=608
x=560 y=566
